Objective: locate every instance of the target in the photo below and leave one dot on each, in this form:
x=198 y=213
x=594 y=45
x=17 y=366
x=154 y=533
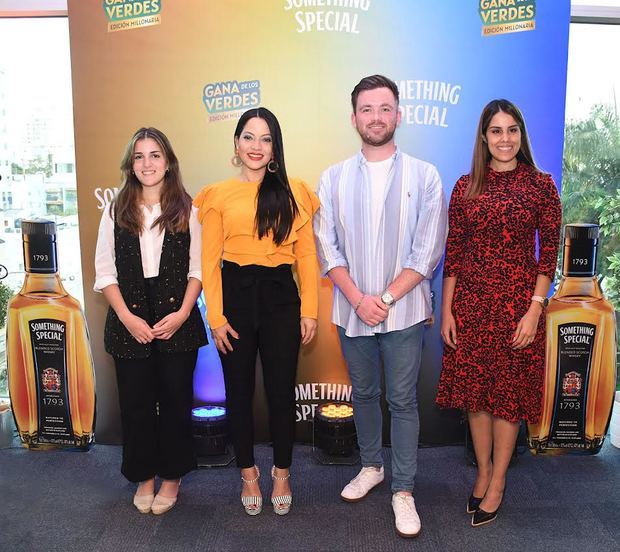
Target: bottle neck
x=43 y=285
x=579 y=287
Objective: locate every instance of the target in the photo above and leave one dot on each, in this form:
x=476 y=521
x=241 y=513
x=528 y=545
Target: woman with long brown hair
x=494 y=293
x=255 y=226
x=148 y=268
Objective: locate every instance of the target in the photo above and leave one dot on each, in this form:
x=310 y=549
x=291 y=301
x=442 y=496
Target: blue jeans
x=401 y=352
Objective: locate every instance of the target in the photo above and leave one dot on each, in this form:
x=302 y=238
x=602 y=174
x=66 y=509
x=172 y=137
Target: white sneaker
x=361 y=484
x=407 y=520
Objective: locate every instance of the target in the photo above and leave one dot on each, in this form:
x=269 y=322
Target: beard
x=377 y=140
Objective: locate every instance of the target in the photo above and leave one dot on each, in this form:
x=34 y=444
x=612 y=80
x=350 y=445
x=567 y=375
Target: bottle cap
x=38 y=227
x=581 y=232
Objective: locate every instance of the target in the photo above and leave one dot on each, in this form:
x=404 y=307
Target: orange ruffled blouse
x=227 y=211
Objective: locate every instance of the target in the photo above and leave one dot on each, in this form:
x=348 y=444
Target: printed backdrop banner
x=190 y=68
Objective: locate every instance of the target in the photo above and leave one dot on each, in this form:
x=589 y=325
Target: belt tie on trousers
x=252 y=277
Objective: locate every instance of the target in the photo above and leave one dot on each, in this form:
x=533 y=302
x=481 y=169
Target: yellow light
x=336 y=410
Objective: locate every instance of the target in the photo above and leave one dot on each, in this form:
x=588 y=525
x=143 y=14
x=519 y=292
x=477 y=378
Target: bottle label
x=575 y=344
x=48 y=339
x=40 y=255
x=579 y=260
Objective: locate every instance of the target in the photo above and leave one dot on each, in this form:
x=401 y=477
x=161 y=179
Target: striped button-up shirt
x=412 y=234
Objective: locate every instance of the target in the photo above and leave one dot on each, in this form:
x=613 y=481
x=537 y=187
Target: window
x=591 y=165
x=37 y=165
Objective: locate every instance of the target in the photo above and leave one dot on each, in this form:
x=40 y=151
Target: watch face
x=544 y=301
x=387 y=298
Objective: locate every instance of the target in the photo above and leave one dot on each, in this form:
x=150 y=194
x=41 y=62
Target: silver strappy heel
x=253 y=504
x=281 y=504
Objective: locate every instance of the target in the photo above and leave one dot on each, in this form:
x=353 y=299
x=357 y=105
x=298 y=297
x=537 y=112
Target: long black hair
x=275 y=206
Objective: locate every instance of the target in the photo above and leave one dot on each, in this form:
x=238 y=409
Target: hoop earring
x=236 y=160
x=273 y=166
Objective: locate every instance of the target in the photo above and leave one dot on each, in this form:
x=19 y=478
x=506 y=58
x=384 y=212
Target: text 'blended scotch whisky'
x=50 y=366
x=580 y=367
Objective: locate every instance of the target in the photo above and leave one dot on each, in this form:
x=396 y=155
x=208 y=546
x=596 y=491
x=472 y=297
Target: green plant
x=5 y=294
x=590 y=182
x=609 y=220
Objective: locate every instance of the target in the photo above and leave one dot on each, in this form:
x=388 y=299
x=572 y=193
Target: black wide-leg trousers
x=156 y=399
x=262 y=304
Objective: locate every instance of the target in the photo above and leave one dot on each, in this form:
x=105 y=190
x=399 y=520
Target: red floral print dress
x=491 y=250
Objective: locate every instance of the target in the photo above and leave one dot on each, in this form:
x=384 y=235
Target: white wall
x=31 y=8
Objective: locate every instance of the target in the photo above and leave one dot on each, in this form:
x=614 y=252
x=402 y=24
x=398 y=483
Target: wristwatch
x=544 y=301
x=387 y=298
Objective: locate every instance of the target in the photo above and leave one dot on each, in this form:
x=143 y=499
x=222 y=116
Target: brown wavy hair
x=176 y=203
x=482 y=156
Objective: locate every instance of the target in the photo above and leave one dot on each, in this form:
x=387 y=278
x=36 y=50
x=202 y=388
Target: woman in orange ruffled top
x=255 y=226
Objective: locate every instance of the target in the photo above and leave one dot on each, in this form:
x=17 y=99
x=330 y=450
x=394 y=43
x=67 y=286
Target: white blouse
x=151 y=244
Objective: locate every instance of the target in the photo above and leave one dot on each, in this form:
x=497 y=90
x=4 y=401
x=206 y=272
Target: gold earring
x=236 y=160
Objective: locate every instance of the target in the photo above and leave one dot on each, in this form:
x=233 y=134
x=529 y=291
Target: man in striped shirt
x=381 y=232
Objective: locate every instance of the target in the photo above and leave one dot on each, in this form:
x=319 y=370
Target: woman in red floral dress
x=494 y=291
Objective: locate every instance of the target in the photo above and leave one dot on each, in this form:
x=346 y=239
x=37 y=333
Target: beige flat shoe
x=163 y=504
x=143 y=502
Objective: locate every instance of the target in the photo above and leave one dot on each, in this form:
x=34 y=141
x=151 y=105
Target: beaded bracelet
x=359 y=303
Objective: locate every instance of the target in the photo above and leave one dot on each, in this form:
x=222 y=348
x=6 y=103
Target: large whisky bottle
x=50 y=367
x=580 y=367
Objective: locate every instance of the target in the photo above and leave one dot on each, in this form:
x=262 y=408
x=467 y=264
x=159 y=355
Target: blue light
x=208 y=413
x=208 y=375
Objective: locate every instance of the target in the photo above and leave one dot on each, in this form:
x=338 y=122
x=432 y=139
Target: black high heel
x=481 y=517
x=473 y=503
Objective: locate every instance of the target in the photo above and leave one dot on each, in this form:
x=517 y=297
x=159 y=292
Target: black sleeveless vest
x=168 y=297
